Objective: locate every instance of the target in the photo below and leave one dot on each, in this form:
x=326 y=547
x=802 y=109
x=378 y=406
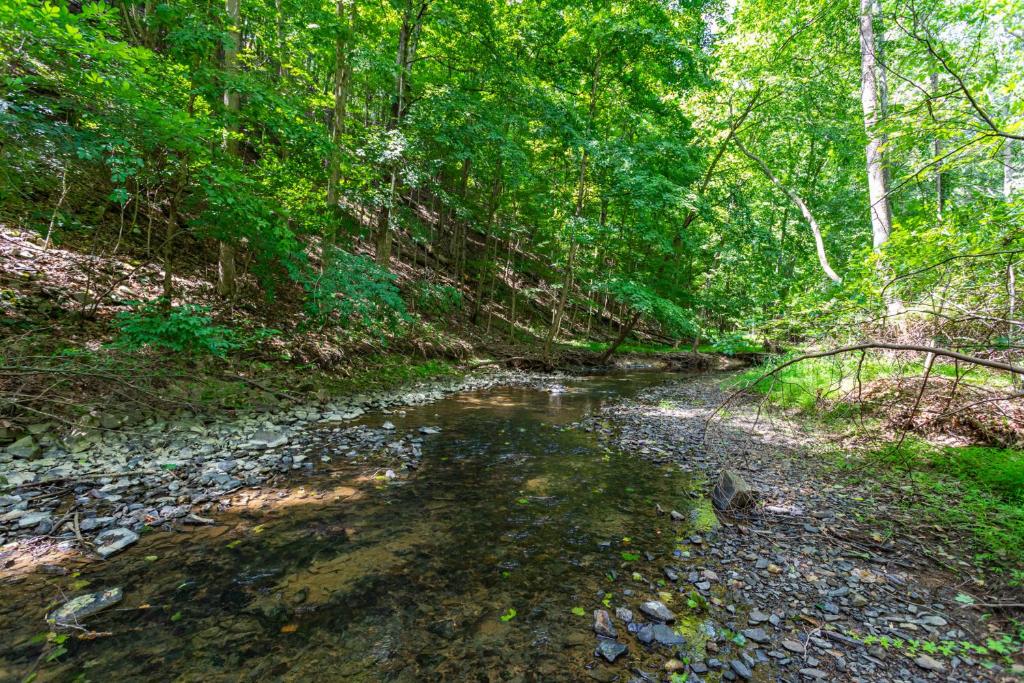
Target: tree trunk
x=940 y=197
x=871 y=102
x=819 y=244
x=408 y=38
x=580 y=200
x=623 y=333
x=342 y=77
x=1008 y=179
x=226 y=285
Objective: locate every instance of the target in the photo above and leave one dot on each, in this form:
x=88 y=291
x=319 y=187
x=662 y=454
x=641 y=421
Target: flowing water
x=468 y=570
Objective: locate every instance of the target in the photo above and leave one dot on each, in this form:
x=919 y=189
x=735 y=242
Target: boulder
x=732 y=492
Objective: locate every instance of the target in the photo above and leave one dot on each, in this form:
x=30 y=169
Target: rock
x=677 y=516
x=33 y=519
x=757 y=635
x=741 y=669
x=656 y=610
x=664 y=635
x=75 y=610
x=268 y=439
x=673 y=665
x=610 y=649
x=603 y=624
x=793 y=646
x=816 y=674
x=430 y=430
x=110 y=421
x=757 y=617
x=732 y=492
x=625 y=615
x=929 y=663
x=196 y=520
x=388 y=426
x=93 y=523
x=933 y=620
x=25 y=448
x=114 y=541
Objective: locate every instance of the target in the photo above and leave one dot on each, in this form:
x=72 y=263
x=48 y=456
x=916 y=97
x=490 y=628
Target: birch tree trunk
x=871 y=102
x=819 y=244
x=226 y=252
x=873 y=97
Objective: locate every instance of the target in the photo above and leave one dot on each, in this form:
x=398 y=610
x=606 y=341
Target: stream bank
x=814 y=587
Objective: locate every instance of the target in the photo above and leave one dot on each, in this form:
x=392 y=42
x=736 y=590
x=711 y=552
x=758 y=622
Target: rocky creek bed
x=813 y=593
x=512 y=527
x=113 y=482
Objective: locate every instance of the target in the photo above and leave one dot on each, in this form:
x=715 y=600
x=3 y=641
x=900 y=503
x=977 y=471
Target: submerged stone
x=610 y=649
x=75 y=610
x=603 y=624
x=114 y=541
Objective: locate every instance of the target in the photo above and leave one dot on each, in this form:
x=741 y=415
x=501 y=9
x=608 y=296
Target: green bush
x=355 y=292
x=436 y=299
x=735 y=343
x=182 y=329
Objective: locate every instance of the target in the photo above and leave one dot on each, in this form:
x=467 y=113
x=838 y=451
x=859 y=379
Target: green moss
x=703 y=517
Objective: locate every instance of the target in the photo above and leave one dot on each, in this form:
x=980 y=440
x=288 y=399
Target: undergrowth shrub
x=355 y=293
x=182 y=329
x=436 y=299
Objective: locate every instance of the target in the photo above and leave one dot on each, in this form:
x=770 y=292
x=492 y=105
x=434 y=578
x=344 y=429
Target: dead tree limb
x=819 y=243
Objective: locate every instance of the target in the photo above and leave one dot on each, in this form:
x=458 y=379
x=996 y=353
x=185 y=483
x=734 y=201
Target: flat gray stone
x=929 y=663
x=657 y=610
x=758 y=635
x=268 y=439
x=114 y=541
x=32 y=519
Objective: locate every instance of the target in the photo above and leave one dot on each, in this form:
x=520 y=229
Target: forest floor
x=824 y=574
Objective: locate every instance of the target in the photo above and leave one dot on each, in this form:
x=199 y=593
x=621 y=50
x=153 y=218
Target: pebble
x=610 y=649
x=656 y=609
x=603 y=624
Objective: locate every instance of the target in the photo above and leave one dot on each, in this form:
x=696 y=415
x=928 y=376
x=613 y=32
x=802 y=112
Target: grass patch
x=974 y=494
x=819 y=383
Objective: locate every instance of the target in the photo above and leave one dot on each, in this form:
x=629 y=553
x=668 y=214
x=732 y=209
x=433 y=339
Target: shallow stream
x=469 y=569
